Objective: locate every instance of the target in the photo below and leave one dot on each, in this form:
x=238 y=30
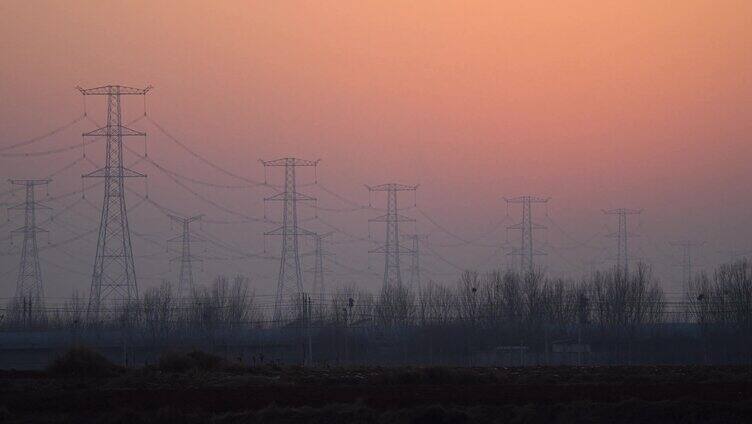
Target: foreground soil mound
x=184 y=390
x=82 y=362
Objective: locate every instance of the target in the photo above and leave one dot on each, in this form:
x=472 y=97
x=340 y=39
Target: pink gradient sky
x=644 y=104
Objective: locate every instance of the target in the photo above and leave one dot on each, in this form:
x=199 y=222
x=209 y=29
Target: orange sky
x=606 y=104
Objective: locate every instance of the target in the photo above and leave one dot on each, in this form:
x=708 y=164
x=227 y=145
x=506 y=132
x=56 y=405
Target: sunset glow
x=599 y=105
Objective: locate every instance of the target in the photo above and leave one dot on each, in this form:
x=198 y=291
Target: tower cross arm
x=122 y=131
x=531 y=199
x=392 y=218
x=290 y=162
x=392 y=187
x=30 y=182
x=105 y=173
x=521 y=226
x=619 y=211
x=24 y=205
x=298 y=231
x=393 y=249
x=182 y=219
x=687 y=243
x=284 y=196
x=113 y=89
x=25 y=229
x=180 y=239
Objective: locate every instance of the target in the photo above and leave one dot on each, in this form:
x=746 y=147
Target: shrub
x=194 y=360
x=82 y=361
x=175 y=362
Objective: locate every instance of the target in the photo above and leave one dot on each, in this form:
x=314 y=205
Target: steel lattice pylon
x=186 y=283
x=113 y=281
x=290 y=279
x=687 y=263
x=319 y=270
x=392 y=248
x=622 y=237
x=526 y=252
x=415 y=239
x=28 y=302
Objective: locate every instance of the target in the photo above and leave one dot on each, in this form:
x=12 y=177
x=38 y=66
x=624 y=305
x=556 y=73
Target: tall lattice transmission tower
x=526 y=251
x=392 y=248
x=414 y=240
x=186 y=283
x=622 y=237
x=290 y=279
x=113 y=280
x=319 y=268
x=686 y=263
x=28 y=304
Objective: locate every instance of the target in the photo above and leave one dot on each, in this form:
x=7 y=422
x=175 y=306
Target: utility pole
x=113 y=279
x=686 y=263
x=622 y=237
x=526 y=251
x=290 y=280
x=391 y=248
x=29 y=299
x=415 y=240
x=186 y=284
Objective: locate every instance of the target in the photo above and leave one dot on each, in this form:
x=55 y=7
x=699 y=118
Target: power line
x=463 y=241
x=201 y=158
x=576 y=243
x=355 y=205
x=66 y=167
x=197 y=194
x=175 y=174
x=48 y=152
x=352 y=237
x=354 y=270
x=45 y=135
x=242 y=254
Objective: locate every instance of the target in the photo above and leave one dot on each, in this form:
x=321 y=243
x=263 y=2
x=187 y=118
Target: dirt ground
x=405 y=394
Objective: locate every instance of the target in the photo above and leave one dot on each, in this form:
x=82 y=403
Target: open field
x=197 y=390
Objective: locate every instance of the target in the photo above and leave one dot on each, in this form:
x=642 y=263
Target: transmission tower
x=186 y=284
x=319 y=269
x=29 y=298
x=526 y=251
x=113 y=280
x=290 y=280
x=622 y=235
x=686 y=263
x=392 y=248
x=415 y=240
